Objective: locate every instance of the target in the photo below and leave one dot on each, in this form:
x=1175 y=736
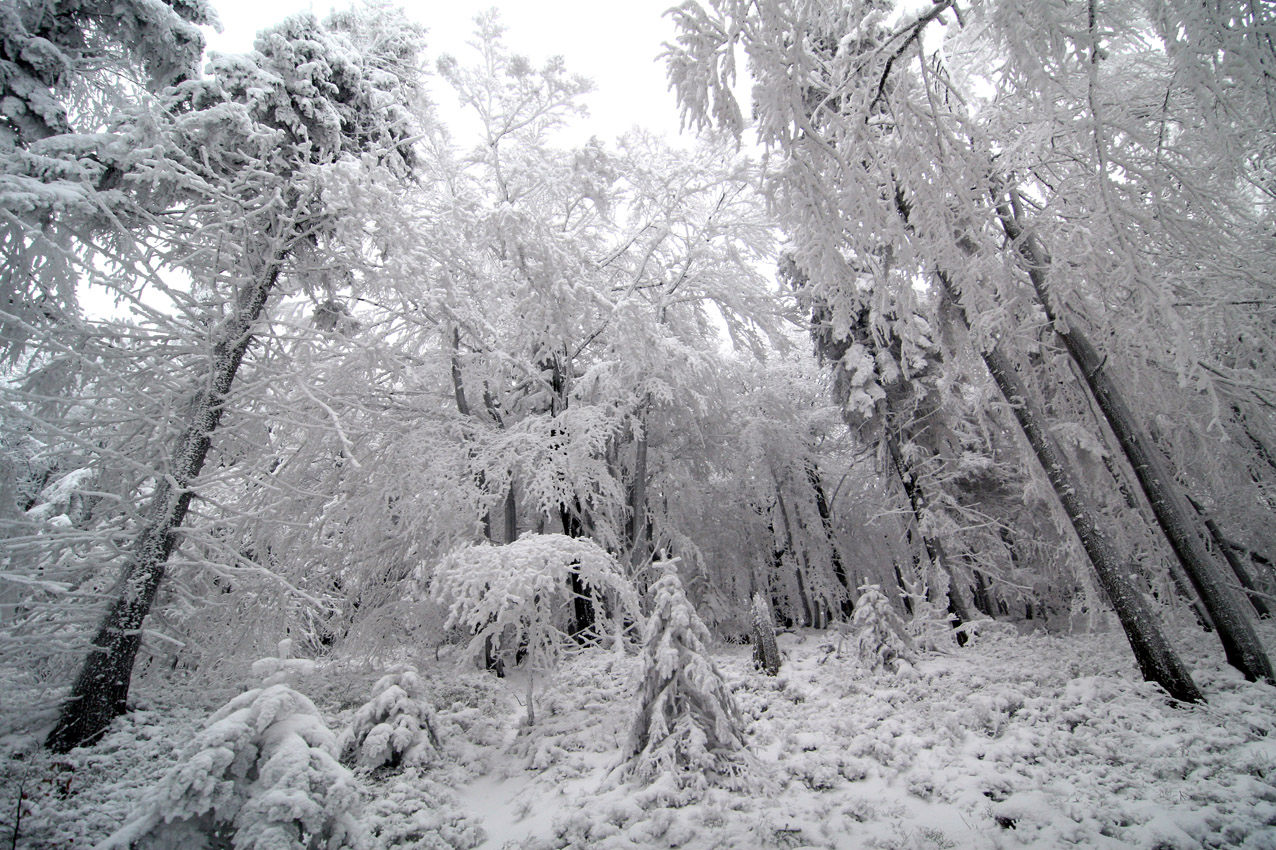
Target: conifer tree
x=261 y=775
x=687 y=724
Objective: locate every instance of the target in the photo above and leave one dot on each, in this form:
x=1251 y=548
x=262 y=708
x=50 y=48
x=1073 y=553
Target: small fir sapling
x=687 y=726
x=396 y=728
x=882 y=642
x=262 y=775
x=766 y=655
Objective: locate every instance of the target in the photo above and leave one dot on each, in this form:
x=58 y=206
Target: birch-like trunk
x=1235 y=631
x=100 y=691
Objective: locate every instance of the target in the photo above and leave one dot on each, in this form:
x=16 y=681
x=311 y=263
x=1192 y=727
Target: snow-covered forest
x=887 y=462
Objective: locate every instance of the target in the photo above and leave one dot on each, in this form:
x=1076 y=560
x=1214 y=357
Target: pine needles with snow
x=688 y=726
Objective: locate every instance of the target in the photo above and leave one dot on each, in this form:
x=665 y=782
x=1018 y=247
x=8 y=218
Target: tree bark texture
x=100 y=691
x=1156 y=658
x=1236 y=633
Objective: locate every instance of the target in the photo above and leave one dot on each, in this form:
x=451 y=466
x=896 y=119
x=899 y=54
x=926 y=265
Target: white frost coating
x=395 y=728
x=516 y=594
x=688 y=727
x=262 y=775
x=284 y=670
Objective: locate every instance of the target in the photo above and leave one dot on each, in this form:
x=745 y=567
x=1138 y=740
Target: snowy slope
x=1010 y=742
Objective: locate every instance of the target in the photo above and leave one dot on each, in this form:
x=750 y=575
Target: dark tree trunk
x=1235 y=631
x=1229 y=554
x=511 y=515
x=100 y=691
x=584 y=612
x=1156 y=659
x=800 y=561
x=639 y=535
x=826 y=521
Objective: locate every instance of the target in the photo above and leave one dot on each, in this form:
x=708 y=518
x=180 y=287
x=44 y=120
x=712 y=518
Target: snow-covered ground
x=1012 y=741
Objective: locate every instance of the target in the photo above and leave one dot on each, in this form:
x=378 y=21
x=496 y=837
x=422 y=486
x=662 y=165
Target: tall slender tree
x=245 y=157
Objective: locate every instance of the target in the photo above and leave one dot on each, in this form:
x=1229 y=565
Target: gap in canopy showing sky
x=617 y=45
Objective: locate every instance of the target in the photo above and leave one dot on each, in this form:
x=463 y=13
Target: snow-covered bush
x=283 y=669
x=414 y=813
x=518 y=596
x=931 y=625
x=262 y=775
x=688 y=726
x=881 y=641
x=396 y=728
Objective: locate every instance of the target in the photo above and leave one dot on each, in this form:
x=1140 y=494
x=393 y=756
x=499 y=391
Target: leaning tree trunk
x=100 y=691
x=1235 y=631
x=1156 y=659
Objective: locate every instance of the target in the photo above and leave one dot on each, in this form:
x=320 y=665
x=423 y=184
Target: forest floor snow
x=1012 y=741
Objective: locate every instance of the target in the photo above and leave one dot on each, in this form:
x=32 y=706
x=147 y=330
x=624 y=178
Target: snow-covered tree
x=243 y=177
x=889 y=179
x=687 y=725
x=517 y=598
x=396 y=728
x=262 y=775
x=881 y=641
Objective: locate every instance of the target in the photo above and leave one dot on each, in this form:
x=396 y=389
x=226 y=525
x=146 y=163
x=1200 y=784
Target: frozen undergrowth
x=1011 y=742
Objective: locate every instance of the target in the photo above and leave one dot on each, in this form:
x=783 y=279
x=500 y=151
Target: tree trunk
x=826 y=522
x=766 y=655
x=511 y=514
x=640 y=553
x=957 y=605
x=798 y=557
x=100 y=691
x=1229 y=554
x=1235 y=631
x=1156 y=659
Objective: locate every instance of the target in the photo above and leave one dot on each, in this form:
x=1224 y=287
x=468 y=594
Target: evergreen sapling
x=396 y=728
x=881 y=642
x=688 y=726
x=262 y=775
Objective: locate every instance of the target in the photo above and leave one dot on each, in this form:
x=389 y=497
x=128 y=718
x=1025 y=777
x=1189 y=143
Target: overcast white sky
x=615 y=44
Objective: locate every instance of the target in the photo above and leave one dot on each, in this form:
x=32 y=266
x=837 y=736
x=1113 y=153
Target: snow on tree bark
x=766 y=655
x=100 y=691
x=303 y=102
x=1240 y=642
x=1156 y=658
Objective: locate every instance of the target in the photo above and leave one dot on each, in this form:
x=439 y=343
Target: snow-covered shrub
x=262 y=775
x=396 y=728
x=881 y=640
x=284 y=669
x=414 y=813
x=766 y=655
x=931 y=625
x=517 y=597
x=688 y=726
